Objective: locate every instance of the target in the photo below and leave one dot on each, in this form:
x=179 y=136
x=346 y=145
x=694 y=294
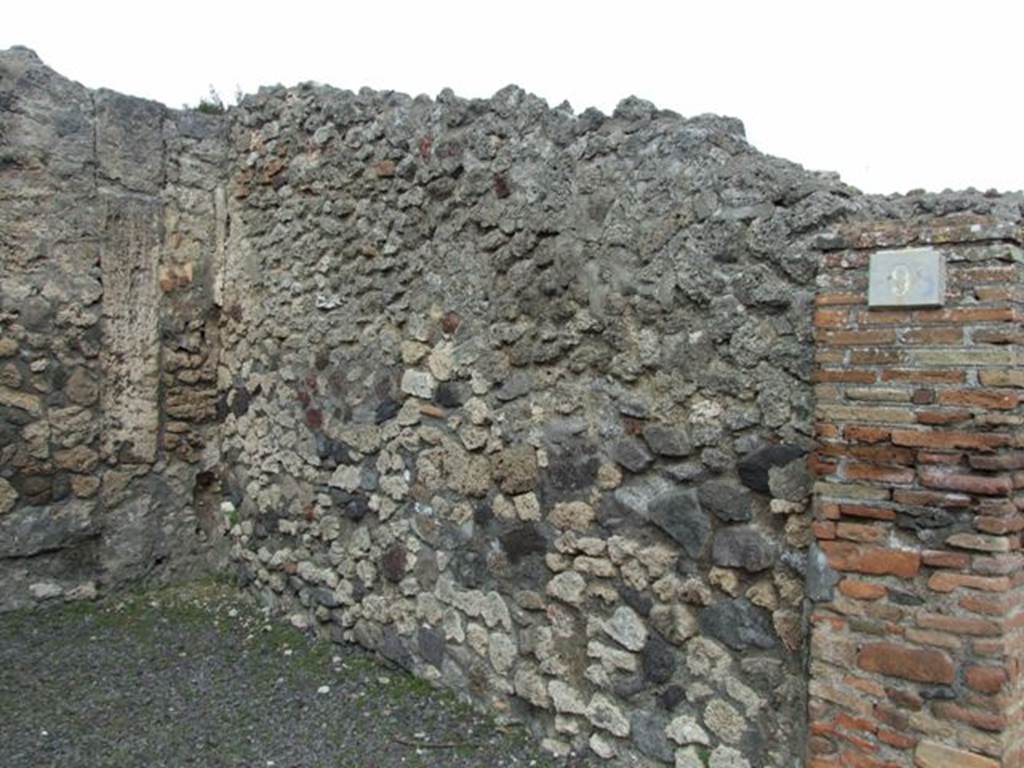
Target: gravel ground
x=197 y=676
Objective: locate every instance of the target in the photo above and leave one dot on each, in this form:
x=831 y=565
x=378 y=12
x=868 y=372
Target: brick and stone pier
x=917 y=629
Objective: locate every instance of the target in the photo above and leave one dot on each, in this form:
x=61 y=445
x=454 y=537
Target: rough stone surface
x=738 y=624
x=504 y=393
x=680 y=515
x=742 y=547
x=728 y=501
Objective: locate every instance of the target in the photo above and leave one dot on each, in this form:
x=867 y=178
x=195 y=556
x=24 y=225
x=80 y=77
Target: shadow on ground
x=197 y=676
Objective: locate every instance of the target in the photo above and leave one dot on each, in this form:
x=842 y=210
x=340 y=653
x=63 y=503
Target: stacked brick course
x=917 y=635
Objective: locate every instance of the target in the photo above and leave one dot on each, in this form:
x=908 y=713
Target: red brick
x=934 y=558
x=819 y=745
x=921 y=665
x=948 y=440
x=894 y=718
x=859 y=532
x=972 y=276
x=896 y=740
x=981 y=398
x=997 y=336
x=1001 y=377
x=905 y=699
x=875 y=357
x=979 y=484
x=850 y=759
x=988 y=606
x=869 y=687
x=958 y=625
x=947 y=581
x=934 y=457
x=864 y=434
x=934 y=336
x=824 y=529
x=985 y=721
x=932 y=637
x=916 y=376
x=922 y=396
x=939 y=418
x=862 y=558
x=877 y=453
x=878 y=474
x=995 y=647
x=831 y=318
x=817 y=466
x=825 y=376
x=885 y=317
x=825 y=430
x=986 y=679
x=872 y=513
x=851 y=723
x=862 y=590
x=968 y=315
x=999 y=461
x=931 y=754
x=932 y=499
x=999 y=525
x=826 y=510
x=998 y=293
x=841 y=299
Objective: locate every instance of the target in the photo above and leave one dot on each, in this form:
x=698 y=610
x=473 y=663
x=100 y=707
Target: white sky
x=894 y=94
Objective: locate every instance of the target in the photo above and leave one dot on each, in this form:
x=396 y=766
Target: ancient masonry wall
x=531 y=403
x=108 y=244
x=917 y=633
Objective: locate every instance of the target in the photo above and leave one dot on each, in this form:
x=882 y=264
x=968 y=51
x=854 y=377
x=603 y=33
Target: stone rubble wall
x=523 y=400
x=108 y=347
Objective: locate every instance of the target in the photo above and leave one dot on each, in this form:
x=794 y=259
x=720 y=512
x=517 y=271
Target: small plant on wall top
x=213 y=103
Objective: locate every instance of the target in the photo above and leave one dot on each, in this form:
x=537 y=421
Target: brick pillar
x=917 y=626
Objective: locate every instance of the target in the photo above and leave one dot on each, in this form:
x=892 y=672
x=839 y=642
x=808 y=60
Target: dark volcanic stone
x=628 y=687
x=753 y=468
x=325 y=597
x=426 y=570
x=649 y=734
x=667 y=442
x=638 y=601
x=357 y=508
x=659 y=659
x=392 y=563
x=669 y=698
x=518 y=384
x=728 y=501
x=393 y=649
x=451 y=395
x=386 y=410
x=631 y=454
x=571 y=469
x=431 y=645
x=679 y=514
x=521 y=542
x=920 y=520
x=738 y=624
x=742 y=547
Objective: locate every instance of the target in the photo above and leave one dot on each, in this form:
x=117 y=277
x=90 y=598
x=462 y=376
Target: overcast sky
x=894 y=95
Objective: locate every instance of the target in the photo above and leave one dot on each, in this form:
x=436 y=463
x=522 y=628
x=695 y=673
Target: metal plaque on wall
x=910 y=277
